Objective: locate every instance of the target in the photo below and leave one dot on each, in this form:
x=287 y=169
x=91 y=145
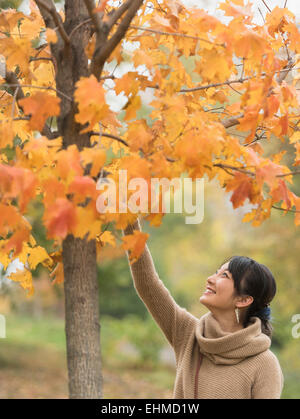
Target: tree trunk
x=82 y=318
x=79 y=256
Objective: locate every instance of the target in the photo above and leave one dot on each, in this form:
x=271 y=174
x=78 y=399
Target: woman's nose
x=210 y=279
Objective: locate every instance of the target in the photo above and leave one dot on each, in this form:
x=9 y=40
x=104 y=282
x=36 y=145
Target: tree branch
x=90 y=5
x=181 y=35
x=114 y=137
x=56 y=19
x=103 y=51
x=266 y=5
x=284 y=209
x=118 y=13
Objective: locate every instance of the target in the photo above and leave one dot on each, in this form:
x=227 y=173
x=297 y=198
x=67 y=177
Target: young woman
x=224 y=354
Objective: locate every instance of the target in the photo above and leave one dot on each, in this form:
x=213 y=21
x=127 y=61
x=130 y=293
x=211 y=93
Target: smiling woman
x=226 y=353
x=240 y=289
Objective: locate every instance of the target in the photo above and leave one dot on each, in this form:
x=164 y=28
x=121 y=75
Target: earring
x=237 y=315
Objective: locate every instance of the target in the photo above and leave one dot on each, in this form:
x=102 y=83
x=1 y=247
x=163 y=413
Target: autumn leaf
x=135 y=243
x=132 y=107
x=92 y=105
x=242 y=187
x=38 y=255
x=107 y=238
x=24 y=278
x=101 y=8
x=51 y=36
x=57 y=274
x=59 y=218
x=40 y=106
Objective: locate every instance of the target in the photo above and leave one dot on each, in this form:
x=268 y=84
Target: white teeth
x=209 y=291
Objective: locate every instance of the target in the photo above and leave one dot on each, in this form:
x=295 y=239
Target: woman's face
x=219 y=293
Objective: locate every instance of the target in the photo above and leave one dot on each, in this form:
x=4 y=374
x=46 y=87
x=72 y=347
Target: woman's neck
x=227 y=321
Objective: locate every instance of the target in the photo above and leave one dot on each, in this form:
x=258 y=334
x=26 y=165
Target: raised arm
x=174 y=321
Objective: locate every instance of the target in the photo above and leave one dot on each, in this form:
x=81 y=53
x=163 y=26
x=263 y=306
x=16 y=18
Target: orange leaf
x=92 y=105
x=243 y=189
x=101 y=8
x=132 y=107
x=135 y=243
x=40 y=106
x=59 y=218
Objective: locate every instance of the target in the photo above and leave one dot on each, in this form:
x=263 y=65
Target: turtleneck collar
x=230 y=348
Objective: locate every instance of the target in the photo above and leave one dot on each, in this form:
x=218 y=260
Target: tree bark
x=82 y=318
x=79 y=256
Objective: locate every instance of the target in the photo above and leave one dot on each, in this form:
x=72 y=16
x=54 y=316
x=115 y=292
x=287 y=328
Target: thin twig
x=266 y=5
x=283 y=209
x=79 y=26
x=239 y=169
x=261 y=15
x=14 y=101
x=114 y=137
x=95 y=17
x=296 y=172
x=38 y=87
x=104 y=50
x=118 y=13
x=56 y=17
x=182 y=35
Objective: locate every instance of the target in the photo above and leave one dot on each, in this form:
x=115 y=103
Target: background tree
x=220 y=94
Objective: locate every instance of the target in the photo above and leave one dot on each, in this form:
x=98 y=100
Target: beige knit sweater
x=210 y=363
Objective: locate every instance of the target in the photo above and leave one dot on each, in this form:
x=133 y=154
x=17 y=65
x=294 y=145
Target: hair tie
x=264 y=313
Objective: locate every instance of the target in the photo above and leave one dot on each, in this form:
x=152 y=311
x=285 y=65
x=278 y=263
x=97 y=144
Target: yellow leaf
x=51 y=36
x=135 y=243
x=132 y=108
x=107 y=237
x=40 y=106
x=37 y=255
x=25 y=280
x=295 y=137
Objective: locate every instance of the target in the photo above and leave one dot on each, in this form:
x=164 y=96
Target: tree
x=58 y=133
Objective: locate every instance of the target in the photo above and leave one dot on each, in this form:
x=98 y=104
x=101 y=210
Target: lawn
x=33 y=365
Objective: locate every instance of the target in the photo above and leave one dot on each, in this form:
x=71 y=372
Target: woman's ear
x=244 y=301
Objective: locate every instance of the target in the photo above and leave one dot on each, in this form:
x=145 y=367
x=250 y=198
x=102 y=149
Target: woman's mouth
x=209 y=291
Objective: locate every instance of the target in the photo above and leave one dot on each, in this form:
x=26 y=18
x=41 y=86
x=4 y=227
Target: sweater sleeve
x=173 y=320
x=269 y=380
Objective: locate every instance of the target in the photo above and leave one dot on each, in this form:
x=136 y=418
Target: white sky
x=211 y=5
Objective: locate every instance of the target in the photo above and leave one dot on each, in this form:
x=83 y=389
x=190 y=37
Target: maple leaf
x=96 y=157
x=59 y=218
x=107 y=237
x=132 y=107
x=57 y=274
x=24 y=277
x=38 y=255
x=82 y=187
x=250 y=44
x=92 y=105
x=135 y=243
x=51 y=36
x=243 y=188
x=40 y=106
x=102 y=6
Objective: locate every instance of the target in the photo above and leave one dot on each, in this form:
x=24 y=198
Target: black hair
x=254 y=279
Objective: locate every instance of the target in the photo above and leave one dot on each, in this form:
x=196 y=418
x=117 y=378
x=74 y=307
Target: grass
x=33 y=365
x=33 y=362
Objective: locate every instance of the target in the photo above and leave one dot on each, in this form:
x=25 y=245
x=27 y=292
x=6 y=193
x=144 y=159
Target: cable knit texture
x=236 y=365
